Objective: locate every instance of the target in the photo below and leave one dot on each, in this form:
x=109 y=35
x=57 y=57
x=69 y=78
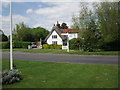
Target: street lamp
x=11 y=56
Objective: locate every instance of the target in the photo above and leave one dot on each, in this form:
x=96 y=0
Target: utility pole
x=11 y=56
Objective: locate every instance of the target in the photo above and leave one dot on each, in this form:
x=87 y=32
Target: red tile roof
x=70 y=31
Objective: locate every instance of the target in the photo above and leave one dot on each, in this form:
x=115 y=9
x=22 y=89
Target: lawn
x=38 y=74
x=55 y=51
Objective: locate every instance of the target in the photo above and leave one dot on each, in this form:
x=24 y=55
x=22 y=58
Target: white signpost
x=68 y=44
x=40 y=44
x=11 y=56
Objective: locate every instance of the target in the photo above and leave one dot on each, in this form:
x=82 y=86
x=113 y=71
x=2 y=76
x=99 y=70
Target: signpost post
x=68 y=44
x=40 y=43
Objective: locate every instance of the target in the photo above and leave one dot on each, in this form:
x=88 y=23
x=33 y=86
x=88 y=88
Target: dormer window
x=54 y=36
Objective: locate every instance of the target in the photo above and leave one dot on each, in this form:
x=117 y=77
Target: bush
x=19 y=44
x=59 y=47
x=5 y=45
x=16 y=44
x=12 y=76
x=46 y=46
x=98 y=50
x=52 y=46
x=75 y=44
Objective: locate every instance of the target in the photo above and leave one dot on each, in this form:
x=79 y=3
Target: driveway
x=78 y=59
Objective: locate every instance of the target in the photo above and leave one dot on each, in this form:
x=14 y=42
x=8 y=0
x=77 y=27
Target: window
x=54 y=42
x=54 y=36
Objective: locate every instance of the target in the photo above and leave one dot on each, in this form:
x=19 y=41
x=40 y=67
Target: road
x=78 y=59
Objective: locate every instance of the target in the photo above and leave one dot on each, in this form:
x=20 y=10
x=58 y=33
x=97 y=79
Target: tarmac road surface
x=78 y=59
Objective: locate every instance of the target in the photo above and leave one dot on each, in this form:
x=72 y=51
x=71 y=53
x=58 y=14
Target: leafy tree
x=86 y=23
x=99 y=27
x=64 y=26
x=24 y=33
x=109 y=24
x=39 y=32
x=4 y=37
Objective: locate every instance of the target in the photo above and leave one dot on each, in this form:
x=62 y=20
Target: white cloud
x=5 y=4
x=62 y=0
x=61 y=12
x=29 y=11
x=16 y=20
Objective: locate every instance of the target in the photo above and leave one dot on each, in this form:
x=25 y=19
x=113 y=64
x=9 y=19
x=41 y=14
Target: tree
x=109 y=24
x=86 y=23
x=24 y=33
x=99 y=27
x=64 y=26
x=39 y=32
x=4 y=37
x=19 y=32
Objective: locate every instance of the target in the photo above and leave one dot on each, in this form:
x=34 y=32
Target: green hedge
x=4 y=45
x=52 y=46
x=16 y=44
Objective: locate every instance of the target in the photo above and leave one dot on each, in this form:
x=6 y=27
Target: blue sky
x=44 y=13
x=35 y=14
x=21 y=7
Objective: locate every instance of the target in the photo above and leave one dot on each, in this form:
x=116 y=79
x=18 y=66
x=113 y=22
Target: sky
x=34 y=13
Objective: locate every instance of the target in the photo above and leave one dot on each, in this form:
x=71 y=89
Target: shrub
x=19 y=44
x=12 y=76
x=16 y=44
x=59 y=47
x=98 y=50
x=52 y=46
x=5 y=45
x=46 y=46
x=75 y=44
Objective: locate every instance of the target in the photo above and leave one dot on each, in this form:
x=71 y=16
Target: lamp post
x=11 y=56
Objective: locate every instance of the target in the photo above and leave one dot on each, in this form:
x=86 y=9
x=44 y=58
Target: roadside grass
x=56 y=51
x=16 y=49
x=41 y=50
x=38 y=74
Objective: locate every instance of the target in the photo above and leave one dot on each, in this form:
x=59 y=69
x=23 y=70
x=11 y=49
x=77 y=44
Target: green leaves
x=12 y=76
x=99 y=26
x=24 y=33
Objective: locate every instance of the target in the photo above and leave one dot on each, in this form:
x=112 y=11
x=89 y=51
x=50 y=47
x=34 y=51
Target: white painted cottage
x=61 y=36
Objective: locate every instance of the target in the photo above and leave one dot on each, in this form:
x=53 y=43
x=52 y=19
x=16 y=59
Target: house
x=60 y=36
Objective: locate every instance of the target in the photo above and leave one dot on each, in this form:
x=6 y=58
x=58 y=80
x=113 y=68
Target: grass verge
x=55 y=51
x=16 y=49
x=38 y=74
